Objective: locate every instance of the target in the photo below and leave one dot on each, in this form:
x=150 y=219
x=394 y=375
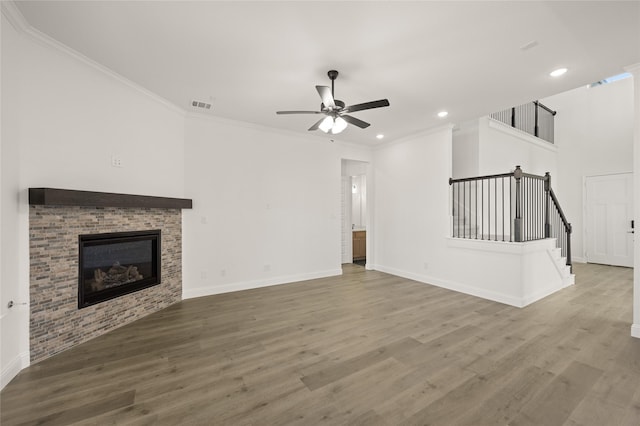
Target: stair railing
x=510 y=207
x=534 y=118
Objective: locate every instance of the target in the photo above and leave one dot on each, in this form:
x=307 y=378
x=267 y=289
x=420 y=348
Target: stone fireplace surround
x=56 y=219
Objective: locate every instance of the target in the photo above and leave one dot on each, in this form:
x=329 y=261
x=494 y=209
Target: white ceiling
x=251 y=59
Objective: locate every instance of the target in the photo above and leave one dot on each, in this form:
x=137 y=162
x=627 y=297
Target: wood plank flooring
x=365 y=348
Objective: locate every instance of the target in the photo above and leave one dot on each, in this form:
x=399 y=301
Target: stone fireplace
x=59 y=220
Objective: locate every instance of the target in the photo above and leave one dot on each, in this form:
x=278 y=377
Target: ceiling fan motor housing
x=339 y=105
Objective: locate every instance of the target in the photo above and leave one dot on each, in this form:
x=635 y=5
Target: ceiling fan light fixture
x=336 y=119
x=339 y=125
x=326 y=125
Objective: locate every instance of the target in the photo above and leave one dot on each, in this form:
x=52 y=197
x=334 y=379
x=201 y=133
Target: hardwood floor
x=365 y=348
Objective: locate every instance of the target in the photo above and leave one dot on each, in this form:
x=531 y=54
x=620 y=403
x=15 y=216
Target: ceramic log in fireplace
x=115 y=264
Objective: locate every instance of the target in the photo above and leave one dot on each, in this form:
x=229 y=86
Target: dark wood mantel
x=69 y=197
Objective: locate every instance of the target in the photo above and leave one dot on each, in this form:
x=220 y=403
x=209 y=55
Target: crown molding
x=14 y=16
x=446 y=127
x=633 y=69
x=260 y=127
x=22 y=26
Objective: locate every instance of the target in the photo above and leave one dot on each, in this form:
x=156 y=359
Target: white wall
x=501 y=148
x=267 y=206
x=466 y=139
x=487 y=147
x=635 y=71
x=594 y=136
x=62 y=120
x=412 y=203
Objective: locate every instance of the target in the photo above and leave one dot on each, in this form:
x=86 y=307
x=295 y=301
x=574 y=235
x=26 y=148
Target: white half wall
x=502 y=147
x=412 y=223
x=63 y=118
x=487 y=147
x=267 y=206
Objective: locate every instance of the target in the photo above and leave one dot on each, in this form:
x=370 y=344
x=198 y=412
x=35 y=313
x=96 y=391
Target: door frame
x=584 y=206
x=369 y=205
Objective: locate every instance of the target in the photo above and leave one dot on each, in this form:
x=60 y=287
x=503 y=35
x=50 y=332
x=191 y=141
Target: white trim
x=18 y=21
x=413 y=136
x=261 y=127
x=13 y=368
x=502 y=246
x=248 y=285
x=14 y=16
x=635 y=330
x=541 y=294
x=632 y=68
x=454 y=286
x=505 y=128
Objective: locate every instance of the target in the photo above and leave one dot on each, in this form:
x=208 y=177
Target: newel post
x=547 y=198
x=517 y=222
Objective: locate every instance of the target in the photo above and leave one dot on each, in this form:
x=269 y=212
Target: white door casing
x=608 y=207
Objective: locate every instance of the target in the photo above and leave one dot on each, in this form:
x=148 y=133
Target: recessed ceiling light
x=379 y=136
x=530 y=45
x=558 y=72
x=443 y=114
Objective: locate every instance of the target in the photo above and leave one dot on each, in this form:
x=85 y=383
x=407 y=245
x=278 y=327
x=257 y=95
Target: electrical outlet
x=203 y=275
x=116 y=161
x=223 y=272
x=426 y=265
x=266 y=267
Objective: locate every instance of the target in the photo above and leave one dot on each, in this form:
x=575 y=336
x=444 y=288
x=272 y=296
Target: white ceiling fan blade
x=327 y=97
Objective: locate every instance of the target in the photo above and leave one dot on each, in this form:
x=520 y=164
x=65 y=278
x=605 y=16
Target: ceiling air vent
x=200 y=104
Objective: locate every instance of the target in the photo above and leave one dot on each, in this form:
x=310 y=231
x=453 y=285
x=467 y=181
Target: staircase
x=514 y=207
x=564 y=270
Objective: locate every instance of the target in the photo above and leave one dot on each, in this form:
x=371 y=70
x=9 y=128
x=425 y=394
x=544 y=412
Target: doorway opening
x=354 y=212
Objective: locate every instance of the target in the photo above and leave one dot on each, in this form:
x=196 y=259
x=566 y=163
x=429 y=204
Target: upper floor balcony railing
x=533 y=118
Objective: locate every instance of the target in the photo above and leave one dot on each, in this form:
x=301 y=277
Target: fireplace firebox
x=115 y=264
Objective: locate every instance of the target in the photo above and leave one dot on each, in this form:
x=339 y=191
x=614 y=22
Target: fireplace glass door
x=115 y=264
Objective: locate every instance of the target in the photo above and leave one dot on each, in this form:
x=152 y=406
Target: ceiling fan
x=336 y=119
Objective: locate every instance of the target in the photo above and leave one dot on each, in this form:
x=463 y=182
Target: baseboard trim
x=541 y=294
x=248 y=285
x=454 y=286
x=13 y=368
x=635 y=331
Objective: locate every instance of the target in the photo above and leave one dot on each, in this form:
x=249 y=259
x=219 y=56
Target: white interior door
x=609 y=211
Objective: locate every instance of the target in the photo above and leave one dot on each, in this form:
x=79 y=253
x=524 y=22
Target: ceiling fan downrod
x=333 y=74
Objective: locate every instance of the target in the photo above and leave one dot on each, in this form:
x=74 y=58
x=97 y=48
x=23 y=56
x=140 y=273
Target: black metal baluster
x=510 y=210
x=488 y=209
x=495 y=201
x=476 y=190
x=464 y=210
x=458 y=211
